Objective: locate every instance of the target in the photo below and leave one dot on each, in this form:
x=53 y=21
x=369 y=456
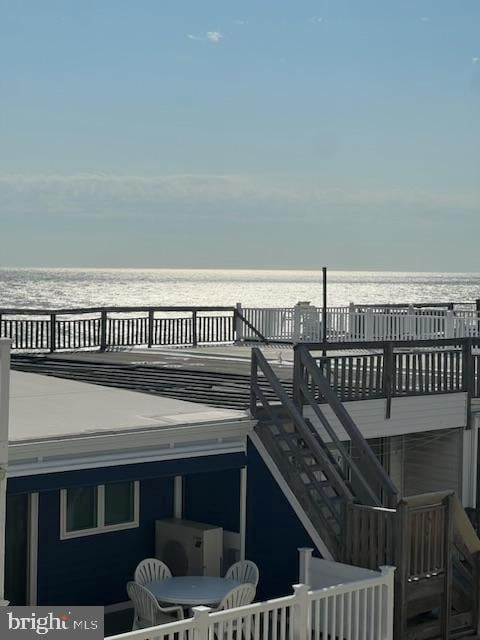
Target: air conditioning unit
x=189 y=548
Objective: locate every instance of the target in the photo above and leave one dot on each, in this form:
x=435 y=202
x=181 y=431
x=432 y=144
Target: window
x=98 y=509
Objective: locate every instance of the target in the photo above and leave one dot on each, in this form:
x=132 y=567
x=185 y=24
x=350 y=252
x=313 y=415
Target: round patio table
x=191 y=590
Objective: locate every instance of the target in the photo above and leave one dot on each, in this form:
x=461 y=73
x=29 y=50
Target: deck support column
x=4 y=413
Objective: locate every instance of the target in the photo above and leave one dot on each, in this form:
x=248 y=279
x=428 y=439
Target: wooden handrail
x=128 y=309
x=260 y=361
x=348 y=424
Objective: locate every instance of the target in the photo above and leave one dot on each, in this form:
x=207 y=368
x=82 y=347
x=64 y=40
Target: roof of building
x=58 y=425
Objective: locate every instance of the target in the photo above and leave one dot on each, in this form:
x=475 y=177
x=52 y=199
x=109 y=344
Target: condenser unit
x=189 y=548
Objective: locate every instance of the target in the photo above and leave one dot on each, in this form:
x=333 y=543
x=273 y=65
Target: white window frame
x=101 y=526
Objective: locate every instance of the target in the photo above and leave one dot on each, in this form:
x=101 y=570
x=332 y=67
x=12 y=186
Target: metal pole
x=324 y=310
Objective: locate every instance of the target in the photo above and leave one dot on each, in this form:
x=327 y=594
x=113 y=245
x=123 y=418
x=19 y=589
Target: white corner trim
x=178 y=497
x=294 y=503
x=243 y=511
x=469 y=463
x=101 y=526
x=33 y=549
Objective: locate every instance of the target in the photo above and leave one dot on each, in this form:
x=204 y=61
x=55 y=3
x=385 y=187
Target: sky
x=254 y=134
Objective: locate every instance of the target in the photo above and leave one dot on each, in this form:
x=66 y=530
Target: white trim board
x=290 y=496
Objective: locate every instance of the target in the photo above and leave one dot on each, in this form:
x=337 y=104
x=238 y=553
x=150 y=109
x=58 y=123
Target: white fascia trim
x=288 y=493
x=144 y=437
x=142 y=446
x=42 y=466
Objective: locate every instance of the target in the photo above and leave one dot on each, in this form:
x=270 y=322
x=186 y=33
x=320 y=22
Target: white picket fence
x=360 y=610
x=303 y=323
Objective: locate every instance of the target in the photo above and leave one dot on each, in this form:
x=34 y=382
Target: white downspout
x=4 y=412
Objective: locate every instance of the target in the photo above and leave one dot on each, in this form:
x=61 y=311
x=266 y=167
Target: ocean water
x=54 y=288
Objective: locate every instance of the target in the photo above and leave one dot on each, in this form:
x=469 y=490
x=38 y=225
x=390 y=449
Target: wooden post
x=238 y=324
x=53 y=333
x=468 y=381
x=387 y=378
x=150 y=327
x=103 y=330
x=194 y=329
x=297 y=377
x=253 y=384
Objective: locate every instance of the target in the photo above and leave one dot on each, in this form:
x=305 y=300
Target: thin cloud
x=240 y=22
x=316 y=19
x=425 y=19
x=476 y=60
x=210 y=36
x=214 y=36
x=112 y=196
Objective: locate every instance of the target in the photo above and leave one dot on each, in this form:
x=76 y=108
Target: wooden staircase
x=353 y=505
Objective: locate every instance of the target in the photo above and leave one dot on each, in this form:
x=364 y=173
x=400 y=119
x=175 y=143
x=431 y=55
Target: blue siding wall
x=213 y=498
x=95 y=569
x=141 y=471
x=274 y=532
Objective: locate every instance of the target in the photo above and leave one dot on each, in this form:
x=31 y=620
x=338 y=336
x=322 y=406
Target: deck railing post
x=194 y=328
x=201 y=622
x=150 y=327
x=304 y=564
x=297 y=321
x=53 y=332
x=468 y=381
x=352 y=328
x=238 y=323
x=302 y=617
x=298 y=372
x=368 y=320
x=387 y=605
x=253 y=383
x=103 y=330
x=411 y=323
x=449 y=324
x=388 y=378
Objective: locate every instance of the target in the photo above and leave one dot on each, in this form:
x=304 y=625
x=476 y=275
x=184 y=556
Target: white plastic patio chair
x=234 y=629
x=237 y=597
x=244 y=571
x=151 y=570
x=148 y=613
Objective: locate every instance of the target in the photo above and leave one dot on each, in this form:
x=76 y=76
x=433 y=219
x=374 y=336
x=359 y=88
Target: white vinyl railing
x=303 y=323
x=361 y=610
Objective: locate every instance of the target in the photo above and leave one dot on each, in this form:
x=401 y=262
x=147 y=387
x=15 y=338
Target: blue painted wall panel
x=145 y=470
x=274 y=531
x=95 y=569
x=213 y=498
